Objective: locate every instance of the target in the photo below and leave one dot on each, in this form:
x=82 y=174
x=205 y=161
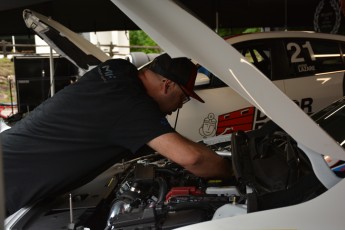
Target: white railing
x=30 y=49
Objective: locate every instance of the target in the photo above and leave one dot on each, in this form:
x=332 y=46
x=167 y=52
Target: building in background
x=114 y=43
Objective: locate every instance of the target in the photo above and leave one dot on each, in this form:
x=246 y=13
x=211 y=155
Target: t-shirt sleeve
x=136 y=128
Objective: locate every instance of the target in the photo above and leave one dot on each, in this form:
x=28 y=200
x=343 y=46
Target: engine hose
x=165 y=170
x=163 y=189
x=185 y=206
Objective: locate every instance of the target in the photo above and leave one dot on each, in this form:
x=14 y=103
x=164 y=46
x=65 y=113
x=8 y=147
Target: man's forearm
x=212 y=167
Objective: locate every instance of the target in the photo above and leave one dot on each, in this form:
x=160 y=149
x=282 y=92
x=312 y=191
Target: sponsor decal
x=306 y=104
x=237 y=120
x=305 y=68
x=339 y=168
x=299 y=53
x=245 y=119
x=209 y=126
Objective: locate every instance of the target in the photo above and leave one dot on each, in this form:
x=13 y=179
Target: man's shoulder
x=114 y=68
x=118 y=62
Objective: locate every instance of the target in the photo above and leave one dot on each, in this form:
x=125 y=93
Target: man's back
x=72 y=137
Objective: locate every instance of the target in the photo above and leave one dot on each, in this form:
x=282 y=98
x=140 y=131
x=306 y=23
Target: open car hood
x=65 y=42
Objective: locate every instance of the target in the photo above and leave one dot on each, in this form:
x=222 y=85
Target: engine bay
x=152 y=192
x=158 y=194
x=149 y=192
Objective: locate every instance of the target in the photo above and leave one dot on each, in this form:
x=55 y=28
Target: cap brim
x=192 y=94
x=145 y=65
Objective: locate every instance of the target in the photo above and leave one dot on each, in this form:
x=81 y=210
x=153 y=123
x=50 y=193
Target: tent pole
x=51 y=65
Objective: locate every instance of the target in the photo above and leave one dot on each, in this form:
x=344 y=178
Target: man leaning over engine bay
x=90 y=125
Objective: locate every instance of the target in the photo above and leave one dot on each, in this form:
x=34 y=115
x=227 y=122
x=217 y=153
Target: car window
x=312 y=56
x=332 y=120
x=257 y=52
x=258 y=57
x=207 y=80
x=334 y=125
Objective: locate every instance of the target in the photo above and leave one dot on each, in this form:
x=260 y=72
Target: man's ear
x=167 y=85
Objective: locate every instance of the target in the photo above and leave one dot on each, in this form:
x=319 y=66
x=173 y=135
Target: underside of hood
x=65 y=42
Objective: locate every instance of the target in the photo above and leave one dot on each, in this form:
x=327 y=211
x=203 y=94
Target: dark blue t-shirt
x=78 y=133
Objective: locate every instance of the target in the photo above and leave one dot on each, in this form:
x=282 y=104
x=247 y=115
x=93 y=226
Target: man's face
x=168 y=94
x=173 y=99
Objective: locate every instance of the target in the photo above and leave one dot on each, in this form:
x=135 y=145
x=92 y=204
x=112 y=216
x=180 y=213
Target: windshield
x=332 y=120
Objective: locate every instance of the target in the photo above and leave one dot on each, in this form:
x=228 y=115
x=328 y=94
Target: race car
x=306 y=66
x=151 y=192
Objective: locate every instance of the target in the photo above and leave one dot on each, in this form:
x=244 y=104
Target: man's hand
x=196 y=158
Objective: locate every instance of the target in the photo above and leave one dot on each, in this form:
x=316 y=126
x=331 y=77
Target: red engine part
x=182 y=191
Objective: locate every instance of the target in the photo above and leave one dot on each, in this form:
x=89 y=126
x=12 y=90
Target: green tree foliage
x=228 y=32
x=140 y=38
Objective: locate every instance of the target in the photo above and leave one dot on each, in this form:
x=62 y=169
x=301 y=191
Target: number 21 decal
x=296 y=48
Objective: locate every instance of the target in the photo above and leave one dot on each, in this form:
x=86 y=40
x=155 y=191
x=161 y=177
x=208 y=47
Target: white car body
x=288 y=64
x=173 y=34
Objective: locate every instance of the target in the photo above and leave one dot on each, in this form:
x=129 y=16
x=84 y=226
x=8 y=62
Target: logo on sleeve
x=106 y=73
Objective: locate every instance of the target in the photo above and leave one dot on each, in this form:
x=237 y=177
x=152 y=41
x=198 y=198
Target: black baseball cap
x=179 y=70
